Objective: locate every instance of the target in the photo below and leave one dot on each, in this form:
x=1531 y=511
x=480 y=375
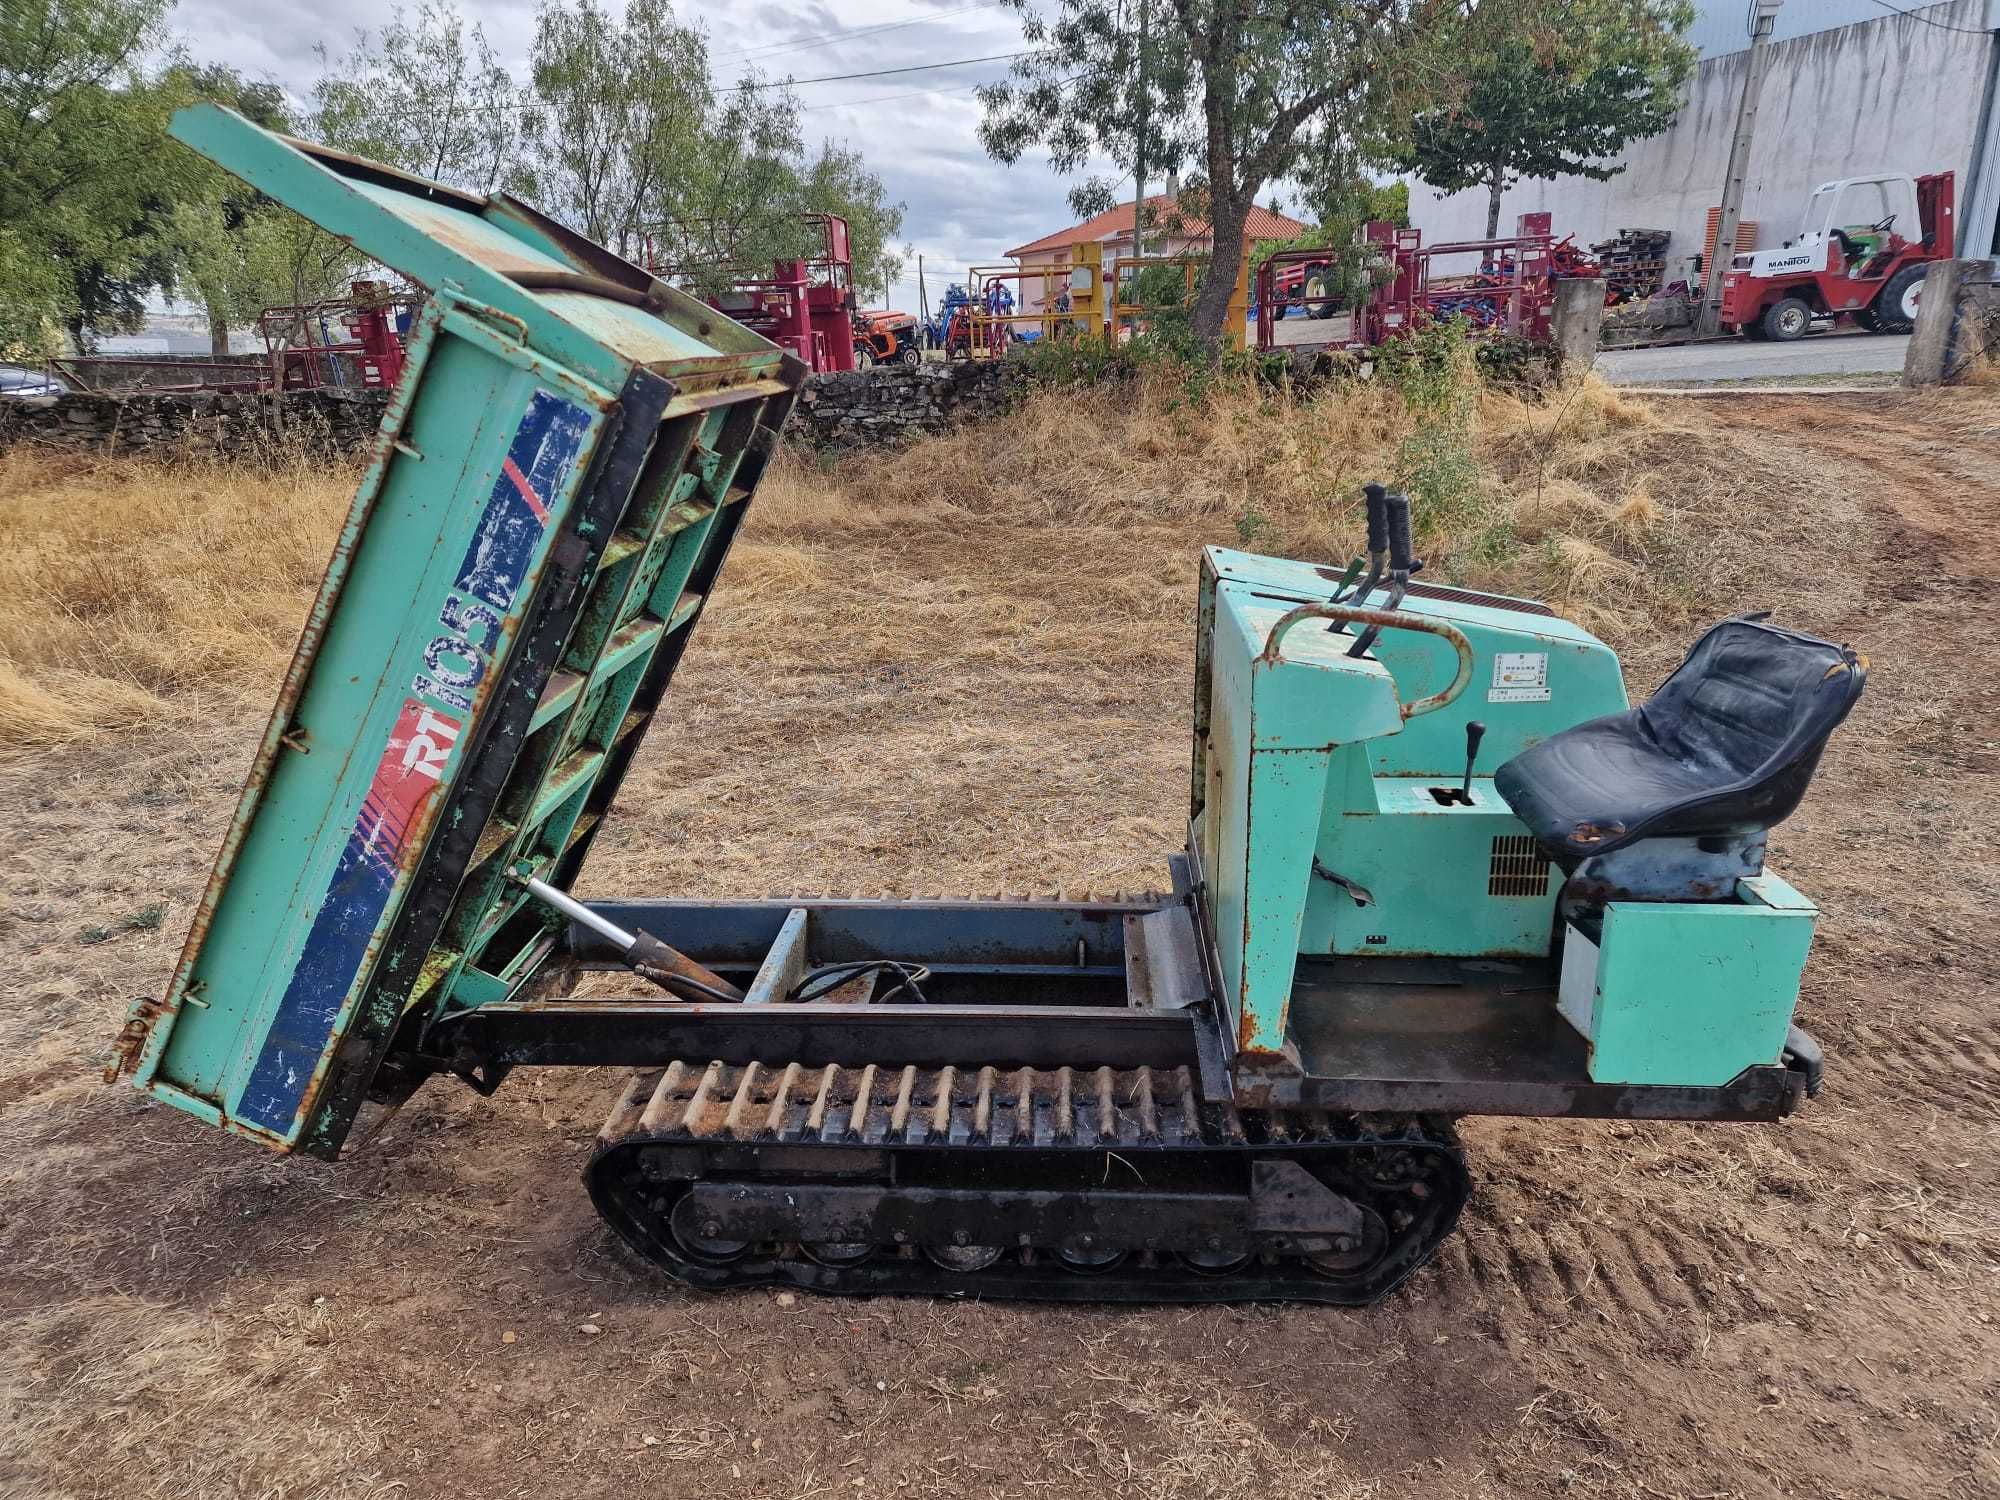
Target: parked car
x=18 y=383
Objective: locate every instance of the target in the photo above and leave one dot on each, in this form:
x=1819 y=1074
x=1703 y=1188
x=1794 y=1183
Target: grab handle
x=1381 y=619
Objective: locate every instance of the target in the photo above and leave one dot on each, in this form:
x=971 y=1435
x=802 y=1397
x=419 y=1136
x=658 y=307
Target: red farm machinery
x=1510 y=290
x=1862 y=251
x=348 y=345
x=354 y=345
x=805 y=306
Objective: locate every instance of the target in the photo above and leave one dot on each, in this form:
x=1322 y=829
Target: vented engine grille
x=1518 y=867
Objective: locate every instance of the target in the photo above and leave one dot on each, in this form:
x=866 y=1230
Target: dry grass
x=139 y=593
x=144 y=594
x=116 y=1377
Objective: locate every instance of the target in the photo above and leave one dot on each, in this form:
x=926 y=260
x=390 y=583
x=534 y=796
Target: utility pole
x=1763 y=21
x=1139 y=153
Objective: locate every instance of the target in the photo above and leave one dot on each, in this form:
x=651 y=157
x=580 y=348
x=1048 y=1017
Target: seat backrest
x=1751 y=708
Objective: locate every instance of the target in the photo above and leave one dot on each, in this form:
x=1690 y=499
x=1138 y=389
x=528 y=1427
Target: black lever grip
x=1399 y=533
x=1474 y=733
x=1378 y=517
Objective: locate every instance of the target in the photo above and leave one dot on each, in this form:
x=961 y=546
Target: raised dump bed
x=557 y=482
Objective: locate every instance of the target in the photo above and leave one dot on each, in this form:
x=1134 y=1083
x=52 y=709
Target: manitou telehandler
x=1863 y=249
x=1435 y=865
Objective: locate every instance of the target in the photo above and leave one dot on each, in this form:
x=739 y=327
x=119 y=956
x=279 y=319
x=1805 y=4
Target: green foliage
x=145 y=919
x=838 y=181
x=1432 y=367
x=1512 y=359
x=229 y=247
x=634 y=145
x=83 y=186
x=1234 y=93
x=618 y=132
x=618 y=106
x=1547 y=92
x=428 y=96
x=1254 y=529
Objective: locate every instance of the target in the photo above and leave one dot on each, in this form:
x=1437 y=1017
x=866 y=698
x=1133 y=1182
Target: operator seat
x=1673 y=800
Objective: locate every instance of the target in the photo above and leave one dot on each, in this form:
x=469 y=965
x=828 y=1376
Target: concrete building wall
x=1888 y=95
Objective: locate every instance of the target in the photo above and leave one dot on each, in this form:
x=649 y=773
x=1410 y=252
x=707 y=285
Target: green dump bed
x=559 y=475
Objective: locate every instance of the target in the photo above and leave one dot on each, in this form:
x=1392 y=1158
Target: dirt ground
x=1628 y=1310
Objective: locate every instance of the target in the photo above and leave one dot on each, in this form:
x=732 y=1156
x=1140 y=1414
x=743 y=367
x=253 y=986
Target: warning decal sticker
x=1519 y=677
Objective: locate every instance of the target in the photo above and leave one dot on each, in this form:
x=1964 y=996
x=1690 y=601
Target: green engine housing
x=1331 y=823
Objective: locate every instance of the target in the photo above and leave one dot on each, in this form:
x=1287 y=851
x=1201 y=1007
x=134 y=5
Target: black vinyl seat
x=1718 y=755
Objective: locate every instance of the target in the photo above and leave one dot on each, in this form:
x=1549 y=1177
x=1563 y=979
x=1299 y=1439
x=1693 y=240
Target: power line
x=964 y=88
x=777 y=49
x=1910 y=15
x=785 y=83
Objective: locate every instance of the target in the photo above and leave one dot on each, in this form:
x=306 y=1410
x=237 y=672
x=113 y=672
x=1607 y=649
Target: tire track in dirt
x=1931 y=1073
x=1650 y=1272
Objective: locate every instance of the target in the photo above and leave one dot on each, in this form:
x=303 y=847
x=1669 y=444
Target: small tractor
x=1862 y=251
x=1436 y=864
x=883 y=338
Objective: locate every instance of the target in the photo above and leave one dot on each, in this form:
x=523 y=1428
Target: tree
x=81 y=199
x=618 y=111
x=233 y=248
x=427 y=96
x=1238 y=92
x=635 y=147
x=737 y=201
x=744 y=199
x=1545 y=100
x=837 y=181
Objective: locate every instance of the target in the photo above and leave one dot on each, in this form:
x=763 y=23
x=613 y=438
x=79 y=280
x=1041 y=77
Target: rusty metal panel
x=523 y=563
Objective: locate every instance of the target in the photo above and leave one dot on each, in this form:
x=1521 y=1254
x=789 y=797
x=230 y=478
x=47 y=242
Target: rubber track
x=1053 y=1127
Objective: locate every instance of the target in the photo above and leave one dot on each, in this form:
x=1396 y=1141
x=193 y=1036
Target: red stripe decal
x=513 y=472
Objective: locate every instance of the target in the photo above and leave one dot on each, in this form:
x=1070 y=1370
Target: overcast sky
x=917 y=130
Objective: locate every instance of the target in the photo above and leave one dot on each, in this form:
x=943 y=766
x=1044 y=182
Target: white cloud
x=918 y=131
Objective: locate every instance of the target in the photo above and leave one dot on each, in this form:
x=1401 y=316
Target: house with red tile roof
x=1170 y=231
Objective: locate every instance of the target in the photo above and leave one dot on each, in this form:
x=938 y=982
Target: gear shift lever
x=1474 y=733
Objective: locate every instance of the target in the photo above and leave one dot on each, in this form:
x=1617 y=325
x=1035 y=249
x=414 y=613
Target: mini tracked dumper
x=1436 y=865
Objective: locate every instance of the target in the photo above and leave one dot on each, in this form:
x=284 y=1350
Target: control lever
x=1345 y=581
x=1400 y=546
x=1474 y=733
x=1396 y=509
x=1377 y=500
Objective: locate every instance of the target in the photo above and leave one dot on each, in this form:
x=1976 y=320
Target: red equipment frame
x=370 y=358
x=1512 y=292
x=806 y=307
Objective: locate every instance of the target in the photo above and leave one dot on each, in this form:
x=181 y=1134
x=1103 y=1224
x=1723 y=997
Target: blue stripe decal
x=540 y=458
x=406 y=779
x=410 y=773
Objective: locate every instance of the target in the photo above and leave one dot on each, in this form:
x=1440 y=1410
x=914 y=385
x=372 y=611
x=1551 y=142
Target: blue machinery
x=1436 y=865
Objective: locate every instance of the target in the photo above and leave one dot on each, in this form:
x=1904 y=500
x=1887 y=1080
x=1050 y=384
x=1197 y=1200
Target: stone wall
x=864 y=408
x=894 y=403
x=225 y=424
